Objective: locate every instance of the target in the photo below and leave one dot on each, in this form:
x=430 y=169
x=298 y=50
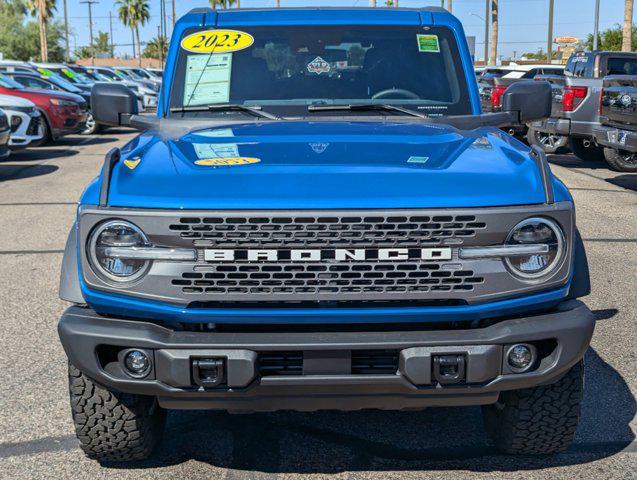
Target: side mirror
x=113 y=104
x=528 y=100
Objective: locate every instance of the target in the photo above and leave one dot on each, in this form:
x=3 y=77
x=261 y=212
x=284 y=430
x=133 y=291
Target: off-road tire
x=621 y=160
x=537 y=421
x=593 y=153
x=548 y=143
x=113 y=426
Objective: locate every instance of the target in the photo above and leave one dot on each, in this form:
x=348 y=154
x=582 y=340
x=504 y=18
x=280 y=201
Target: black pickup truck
x=576 y=97
x=618 y=117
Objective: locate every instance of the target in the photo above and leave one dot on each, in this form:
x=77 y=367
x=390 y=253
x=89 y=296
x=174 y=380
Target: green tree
x=20 y=40
x=101 y=46
x=611 y=39
x=155 y=46
x=222 y=3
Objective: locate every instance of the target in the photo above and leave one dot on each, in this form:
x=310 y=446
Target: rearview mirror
x=113 y=104
x=528 y=100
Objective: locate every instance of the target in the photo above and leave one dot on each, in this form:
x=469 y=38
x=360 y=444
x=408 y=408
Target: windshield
x=7 y=82
x=73 y=76
x=288 y=68
x=107 y=75
x=142 y=73
x=61 y=82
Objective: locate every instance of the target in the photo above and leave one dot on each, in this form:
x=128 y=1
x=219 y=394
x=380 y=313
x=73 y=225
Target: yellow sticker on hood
x=227 y=161
x=132 y=163
x=217 y=41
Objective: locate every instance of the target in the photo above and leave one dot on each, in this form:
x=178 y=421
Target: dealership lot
x=38 y=191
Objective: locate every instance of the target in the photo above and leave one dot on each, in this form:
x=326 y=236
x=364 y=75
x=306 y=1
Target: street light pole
x=549 y=45
x=486 y=32
x=596 y=27
x=66 y=34
x=90 y=25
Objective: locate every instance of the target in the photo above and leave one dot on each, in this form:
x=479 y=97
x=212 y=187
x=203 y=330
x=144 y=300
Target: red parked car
x=64 y=113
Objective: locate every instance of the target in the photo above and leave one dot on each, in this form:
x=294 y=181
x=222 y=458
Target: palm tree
x=125 y=14
x=134 y=13
x=43 y=9
x=627 y=35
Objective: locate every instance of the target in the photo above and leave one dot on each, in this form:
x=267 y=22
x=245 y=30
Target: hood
x=56 y=94
x=8 y=101
x=326 y=165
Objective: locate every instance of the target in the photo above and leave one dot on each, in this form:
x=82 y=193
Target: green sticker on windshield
x=428 y=43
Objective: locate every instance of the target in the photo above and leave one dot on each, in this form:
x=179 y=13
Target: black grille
x=280 y=363
x=332 y=231
x=34 y=126
x=363 y=362
x=341 y=278
x=374 y=362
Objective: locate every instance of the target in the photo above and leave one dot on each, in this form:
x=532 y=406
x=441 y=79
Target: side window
x=621 y=66
x=37 y=83
x=531 y=73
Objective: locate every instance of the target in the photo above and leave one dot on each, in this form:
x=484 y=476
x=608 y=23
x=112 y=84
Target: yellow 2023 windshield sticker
x=217 y=41
x=227 y=161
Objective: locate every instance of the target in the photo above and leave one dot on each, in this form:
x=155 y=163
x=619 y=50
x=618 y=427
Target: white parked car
x=530 y=71
x=25 y=121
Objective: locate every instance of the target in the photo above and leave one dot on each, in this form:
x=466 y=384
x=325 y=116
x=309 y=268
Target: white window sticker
x=207 y=79
x=216 y=150
x=318 y=66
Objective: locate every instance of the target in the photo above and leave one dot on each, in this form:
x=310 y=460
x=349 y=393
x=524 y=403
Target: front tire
x=621 y=160
x=548 y=142
x=92 y=126
x=540 y=420
x=113 y=426
x=592 y=153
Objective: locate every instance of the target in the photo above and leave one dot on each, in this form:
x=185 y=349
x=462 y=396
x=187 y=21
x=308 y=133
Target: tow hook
x=449 y=369
x=208 y=372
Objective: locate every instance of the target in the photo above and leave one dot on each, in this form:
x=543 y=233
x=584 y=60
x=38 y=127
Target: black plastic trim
x=112 y=157
x=545 y=171
x=81 y=330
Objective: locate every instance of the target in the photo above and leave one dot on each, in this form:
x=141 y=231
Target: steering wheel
x=396 y=93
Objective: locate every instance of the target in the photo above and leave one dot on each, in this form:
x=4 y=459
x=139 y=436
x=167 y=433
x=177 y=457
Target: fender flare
x=581 y=282
x=70 y=290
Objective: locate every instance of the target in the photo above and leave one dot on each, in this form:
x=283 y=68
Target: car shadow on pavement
x=434 y=439
x=39 y=154
x=625 y=181
x=17 y=172
x=571 y=161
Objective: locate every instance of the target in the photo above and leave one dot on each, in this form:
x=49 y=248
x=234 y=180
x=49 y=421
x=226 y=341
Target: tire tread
x=113 y=426
x=540 y=420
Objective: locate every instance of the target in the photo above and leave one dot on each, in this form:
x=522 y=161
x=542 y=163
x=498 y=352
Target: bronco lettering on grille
x=333 y=255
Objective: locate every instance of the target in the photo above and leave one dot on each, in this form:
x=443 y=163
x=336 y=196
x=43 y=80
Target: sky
x=523 y=23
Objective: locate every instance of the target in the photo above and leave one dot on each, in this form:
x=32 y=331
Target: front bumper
x=4 y=142
x=565 y=127
x=616 y=138
x=326 y=379
x=553 y=126
x=30 y=131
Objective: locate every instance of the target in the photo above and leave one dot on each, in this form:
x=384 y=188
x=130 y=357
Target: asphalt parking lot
x=38 y=191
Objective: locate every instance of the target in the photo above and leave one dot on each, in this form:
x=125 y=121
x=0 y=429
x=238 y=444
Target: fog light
x=520 y=357
x=137 y=363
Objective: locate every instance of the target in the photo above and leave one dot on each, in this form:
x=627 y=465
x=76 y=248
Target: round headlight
x=117 y=233
x=536 y=231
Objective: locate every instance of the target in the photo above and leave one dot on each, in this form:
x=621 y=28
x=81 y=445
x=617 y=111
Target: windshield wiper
x=226 y=107
x=365 y=106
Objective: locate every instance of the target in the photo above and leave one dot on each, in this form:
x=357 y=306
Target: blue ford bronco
x=321 y=217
